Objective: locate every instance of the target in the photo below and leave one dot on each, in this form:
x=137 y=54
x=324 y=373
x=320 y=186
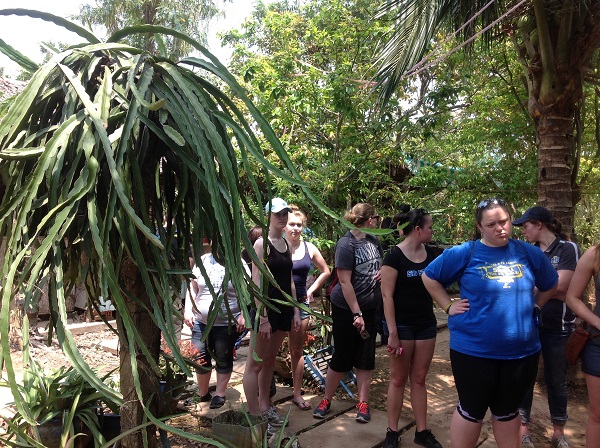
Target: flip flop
x=302 y=405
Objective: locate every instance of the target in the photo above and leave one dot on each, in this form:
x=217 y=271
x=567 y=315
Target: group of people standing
x=515 y=301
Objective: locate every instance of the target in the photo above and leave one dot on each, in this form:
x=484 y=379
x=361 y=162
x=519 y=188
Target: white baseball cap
x=277 y=205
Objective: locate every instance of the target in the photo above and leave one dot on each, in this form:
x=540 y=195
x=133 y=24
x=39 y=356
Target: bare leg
x=399 y=366
x=363 y=382
x=222 y=382
x=420 y=362
x=507 y=434
x=463 y=433
x=332 y=381
x=250 y=379
x=296 y=339
x=203 y=380
x=592 y=432
x=268 y=354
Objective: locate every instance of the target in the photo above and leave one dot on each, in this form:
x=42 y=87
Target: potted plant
x=59 y=407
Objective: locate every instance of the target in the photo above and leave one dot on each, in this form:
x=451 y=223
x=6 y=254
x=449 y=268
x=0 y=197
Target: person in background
x=409 y=323
x=494 y=343
x=221 y=335
x=588 y=268
x=557 y=321
x=273 y=325
x=304 y=254
x=354 y=301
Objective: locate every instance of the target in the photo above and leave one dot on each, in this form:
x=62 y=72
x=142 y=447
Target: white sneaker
x=274 y=418
x=526 y=441
x=561 y=441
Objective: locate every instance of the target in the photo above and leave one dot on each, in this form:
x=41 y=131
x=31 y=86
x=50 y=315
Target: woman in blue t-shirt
x=494 y=344
x=409 y=323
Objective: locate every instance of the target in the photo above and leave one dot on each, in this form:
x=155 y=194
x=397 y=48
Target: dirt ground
x=442 y=395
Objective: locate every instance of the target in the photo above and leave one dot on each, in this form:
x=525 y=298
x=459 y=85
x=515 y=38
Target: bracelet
x=447 y=309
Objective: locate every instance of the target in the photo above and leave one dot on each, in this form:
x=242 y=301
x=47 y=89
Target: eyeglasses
x=491 y=201
x=375 y=217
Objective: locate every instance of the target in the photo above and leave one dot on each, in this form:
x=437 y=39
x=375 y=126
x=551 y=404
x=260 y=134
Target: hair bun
x=404 y=208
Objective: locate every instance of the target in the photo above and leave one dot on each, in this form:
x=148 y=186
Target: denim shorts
x=590 y=358
x=412 y=333
x=304 y=314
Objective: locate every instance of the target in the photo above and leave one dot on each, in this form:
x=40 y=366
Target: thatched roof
x=10 y=87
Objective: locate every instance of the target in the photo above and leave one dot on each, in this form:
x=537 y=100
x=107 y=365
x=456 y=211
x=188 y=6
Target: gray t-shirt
x=362 y=256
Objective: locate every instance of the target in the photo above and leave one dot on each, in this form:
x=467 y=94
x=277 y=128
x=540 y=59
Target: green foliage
x=106 y=141
x=45 y=396
x=190 y=17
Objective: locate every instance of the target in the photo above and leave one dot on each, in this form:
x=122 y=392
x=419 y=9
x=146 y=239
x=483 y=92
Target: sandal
x=303 y=405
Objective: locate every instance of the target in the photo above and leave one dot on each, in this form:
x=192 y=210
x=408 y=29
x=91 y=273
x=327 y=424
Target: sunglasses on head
x=491 y=201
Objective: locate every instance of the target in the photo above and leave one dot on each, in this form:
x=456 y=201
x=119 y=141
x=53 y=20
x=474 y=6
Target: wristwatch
x=359 y=314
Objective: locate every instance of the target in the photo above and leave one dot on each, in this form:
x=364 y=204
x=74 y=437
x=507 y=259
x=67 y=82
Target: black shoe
x=391 y=439
x=216 y=402
x=427 y=439
x=206 y=398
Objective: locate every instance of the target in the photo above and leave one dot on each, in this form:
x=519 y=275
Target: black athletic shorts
x=349 y=348
x=495 y=384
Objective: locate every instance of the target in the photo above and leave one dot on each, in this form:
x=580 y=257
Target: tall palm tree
x=555 y=41
x=105 y=144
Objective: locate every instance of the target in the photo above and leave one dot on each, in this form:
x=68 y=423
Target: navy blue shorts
x=590 y=358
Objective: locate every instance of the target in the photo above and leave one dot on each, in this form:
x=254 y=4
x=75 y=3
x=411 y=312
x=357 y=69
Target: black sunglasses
x=491 y=201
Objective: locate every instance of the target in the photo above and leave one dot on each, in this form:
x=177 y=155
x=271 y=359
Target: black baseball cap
x=537 y=213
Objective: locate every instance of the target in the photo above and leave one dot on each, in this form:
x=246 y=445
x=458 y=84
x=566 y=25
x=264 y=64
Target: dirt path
x=443 y=399
x=442 y=394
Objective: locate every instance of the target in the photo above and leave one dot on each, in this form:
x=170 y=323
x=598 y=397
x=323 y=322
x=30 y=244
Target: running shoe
x=363 y=414
x=274 y=418
x=323 y=409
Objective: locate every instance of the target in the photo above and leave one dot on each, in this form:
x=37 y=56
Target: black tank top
x=280 y=264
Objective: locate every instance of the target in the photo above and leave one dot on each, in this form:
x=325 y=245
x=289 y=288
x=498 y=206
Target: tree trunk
x=555 y=166
x=132 y=413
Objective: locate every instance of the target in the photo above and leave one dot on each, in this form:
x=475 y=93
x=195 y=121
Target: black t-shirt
x=412 y=303
x=556 y=315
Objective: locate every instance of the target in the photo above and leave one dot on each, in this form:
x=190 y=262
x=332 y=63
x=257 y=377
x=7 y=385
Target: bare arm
x=345 y=279
x=440 y=296
x=564 y=279
x=264 y=328
x=581 y=278
x=321 y=265
x=389 y=276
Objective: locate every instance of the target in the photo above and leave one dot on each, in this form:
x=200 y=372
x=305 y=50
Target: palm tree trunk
x=132 y=413
x=555 y=166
